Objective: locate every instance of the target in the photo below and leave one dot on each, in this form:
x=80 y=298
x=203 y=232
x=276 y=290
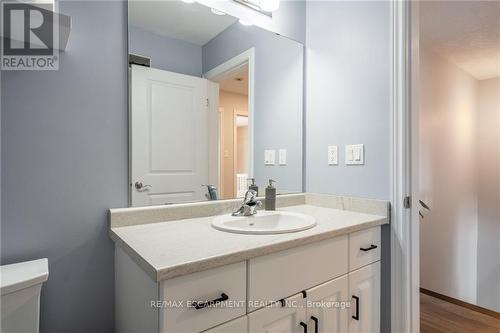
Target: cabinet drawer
x=181 y=294
x=364 y=247
x=279 y=275
x=239 y=325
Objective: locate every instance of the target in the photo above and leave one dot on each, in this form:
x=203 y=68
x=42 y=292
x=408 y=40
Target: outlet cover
x=270 y=157
x=333 y=156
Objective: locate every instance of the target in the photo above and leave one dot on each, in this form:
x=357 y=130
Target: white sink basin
x=264 y=222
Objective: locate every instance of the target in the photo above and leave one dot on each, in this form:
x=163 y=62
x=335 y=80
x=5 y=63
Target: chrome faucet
x=249 y=206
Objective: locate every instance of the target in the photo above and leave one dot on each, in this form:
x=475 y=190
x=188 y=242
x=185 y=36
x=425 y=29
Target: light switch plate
x=270 y=157
x=282 y=157
x=354 y=154
x=333 y=156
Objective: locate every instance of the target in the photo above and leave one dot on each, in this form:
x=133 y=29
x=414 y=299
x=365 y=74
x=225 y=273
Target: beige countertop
x=174 y=248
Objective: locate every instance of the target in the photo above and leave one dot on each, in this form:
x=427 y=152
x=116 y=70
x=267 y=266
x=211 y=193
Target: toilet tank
x=21 y=284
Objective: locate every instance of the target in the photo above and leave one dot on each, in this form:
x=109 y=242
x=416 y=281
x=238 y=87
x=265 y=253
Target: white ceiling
x=193 y=23
x=467 y=33
x=231 y=84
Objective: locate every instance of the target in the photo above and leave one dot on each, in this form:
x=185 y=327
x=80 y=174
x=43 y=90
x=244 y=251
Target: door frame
x=405 y=258
x=225 y=69
x=236 y=113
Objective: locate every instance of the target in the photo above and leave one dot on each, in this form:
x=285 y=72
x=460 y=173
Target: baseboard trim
x=461 y=303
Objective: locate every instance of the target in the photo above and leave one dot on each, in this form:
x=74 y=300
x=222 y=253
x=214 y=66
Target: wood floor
x=438 y=316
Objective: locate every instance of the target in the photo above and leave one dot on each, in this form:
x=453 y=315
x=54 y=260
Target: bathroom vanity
x=176 y=273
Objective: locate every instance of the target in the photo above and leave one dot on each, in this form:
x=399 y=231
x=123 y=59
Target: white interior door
x=169 y=137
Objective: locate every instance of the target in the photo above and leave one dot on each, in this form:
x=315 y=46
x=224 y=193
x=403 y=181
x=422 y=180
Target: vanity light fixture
x=266 y=7
x=269 y=5
x=245 y=23
x=217 y=12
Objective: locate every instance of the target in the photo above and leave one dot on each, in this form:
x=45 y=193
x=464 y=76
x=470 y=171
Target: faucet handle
x=250 y=196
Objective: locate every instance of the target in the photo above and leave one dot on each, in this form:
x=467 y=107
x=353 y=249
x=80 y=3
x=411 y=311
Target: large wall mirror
x=214 y=103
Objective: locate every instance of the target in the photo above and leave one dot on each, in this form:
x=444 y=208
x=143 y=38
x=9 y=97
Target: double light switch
x=354 y=154
x=270 y=157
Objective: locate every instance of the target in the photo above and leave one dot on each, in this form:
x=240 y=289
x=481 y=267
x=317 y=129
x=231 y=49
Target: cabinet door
x=290 y=318
x=327 y=306
x=239 y=325
x=364 y=289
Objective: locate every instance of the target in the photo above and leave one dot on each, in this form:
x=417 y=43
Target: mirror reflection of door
x=209 y=85
x=234 y=133
x=168 y=107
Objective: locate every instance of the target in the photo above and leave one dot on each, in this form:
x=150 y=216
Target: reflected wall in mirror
x=220 y=103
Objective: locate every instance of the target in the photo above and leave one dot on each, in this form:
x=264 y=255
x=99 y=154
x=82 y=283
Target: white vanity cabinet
x=277 y=318
x=364 y=288
x=329 y=286
x=327 y=306
x=239 y=325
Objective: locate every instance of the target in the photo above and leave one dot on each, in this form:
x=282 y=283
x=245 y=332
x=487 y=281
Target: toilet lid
x=22 y=275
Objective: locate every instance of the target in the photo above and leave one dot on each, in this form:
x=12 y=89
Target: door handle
x=356 y=316
x=316 y=326
x=139 y=186
x=423 y=204
x=304 y=325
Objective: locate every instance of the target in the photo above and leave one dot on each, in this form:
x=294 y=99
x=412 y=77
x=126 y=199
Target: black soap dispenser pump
x=270 y=201
x=253 y=186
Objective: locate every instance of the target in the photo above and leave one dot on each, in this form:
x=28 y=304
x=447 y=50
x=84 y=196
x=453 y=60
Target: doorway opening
x=458 y=120
x=235 y=131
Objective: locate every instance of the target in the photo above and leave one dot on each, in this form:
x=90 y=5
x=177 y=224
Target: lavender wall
x=166 y=53
x=278 y=100
x=64 y=163
x=348 y=100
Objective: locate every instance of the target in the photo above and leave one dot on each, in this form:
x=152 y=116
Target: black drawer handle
x=356 y=316
x=372 y=247
x=316 y=326
x=200 y=305
x=304 y=325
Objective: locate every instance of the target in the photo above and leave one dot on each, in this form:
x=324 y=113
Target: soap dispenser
x=270 y=201
x=253 y=186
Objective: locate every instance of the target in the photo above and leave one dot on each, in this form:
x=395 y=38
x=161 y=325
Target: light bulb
x=269 y=5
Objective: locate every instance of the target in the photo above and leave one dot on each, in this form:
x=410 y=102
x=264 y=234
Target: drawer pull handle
x=372 y=247
x=304 y=325
x=356 y=316
x=316 y=326
x=200 y=305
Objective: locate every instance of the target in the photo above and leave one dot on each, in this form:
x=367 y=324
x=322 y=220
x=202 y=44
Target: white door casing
x=225 y=69
x=214 y=133
x=168 y=137
x=405 y=306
